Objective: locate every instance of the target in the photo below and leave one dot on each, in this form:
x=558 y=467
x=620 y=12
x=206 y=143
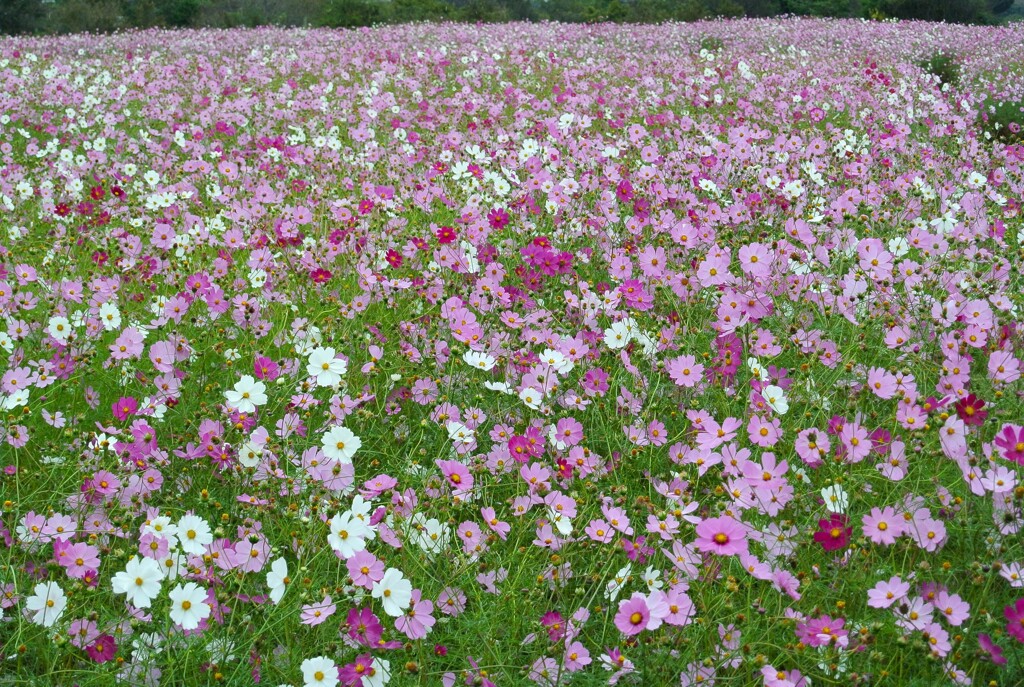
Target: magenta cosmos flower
x=991 y=649
x=1015 y=619
x=103 y=649
x=1011 y=441
x=723 y=536
x=833 y=533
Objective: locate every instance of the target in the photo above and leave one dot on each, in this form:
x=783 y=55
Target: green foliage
x=820 y=8
x=65 y=16
x=944 y=66
x=1003 y=121
x=950 y=11
x=711 y=43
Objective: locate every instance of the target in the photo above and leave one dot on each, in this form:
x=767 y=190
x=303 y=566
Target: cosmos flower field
x=512 y=355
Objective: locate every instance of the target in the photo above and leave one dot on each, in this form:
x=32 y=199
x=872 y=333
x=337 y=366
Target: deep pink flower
x=352 y=674
x=1011 y=442
x=990 y=648
x=969 y=409
x=1015 y=619
x=822 y=632
x=833 y=533
x=363 y=626
x=124 y=407
x=555 y=624
x=102 y=650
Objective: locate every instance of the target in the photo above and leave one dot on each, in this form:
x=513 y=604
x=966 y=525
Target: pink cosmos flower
x=969 y=409
x=723 y=536
x=103 y=649
x=352 y=674
x=555 y=625
x=685 y=370
x=491 y=520
x=124 y=407
x=451 y=601
x=577 y=657
x=417 y=620
x=316 y=613
x=937 y=638
x=883 y=526
x=364 y=568
x=823 y=631
x=680 y=607
x=363 y=626
x=952 y=608
x=128 y=345
x=1003 y=367
x=887 y=592
x=633 y=615
x=78 y=558
x=457 y=474
x=600 y=531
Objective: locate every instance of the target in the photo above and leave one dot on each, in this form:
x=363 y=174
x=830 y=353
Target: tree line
x=73 y=16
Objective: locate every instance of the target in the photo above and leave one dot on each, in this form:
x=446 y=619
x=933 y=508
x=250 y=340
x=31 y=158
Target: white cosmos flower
x=110 y=316
x=247 y=395
x=479 y=360
x=326 y=367
x=458 y=433
x=775 y=398
x=194 y=534
x=499 y=386
x=614 y=587
x=319 y=672
x=163 y=528
x=188 y=606
x=531 y=397
x=618 y=335
x=431 y=534
x=278 y=580
x=59 y=328
x=340 y=444
x=394 y=592
x=759 y=372
x=379 y=673
x=348 y=534
x=836 y=498
x=562 y=523
x=899 y=246
x=139 y=581
x=46 y=604
x=249 y=454
x=557 y=360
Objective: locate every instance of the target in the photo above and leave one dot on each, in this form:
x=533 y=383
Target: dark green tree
x=78 y=16
x=20 y=16
x=351 y=13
